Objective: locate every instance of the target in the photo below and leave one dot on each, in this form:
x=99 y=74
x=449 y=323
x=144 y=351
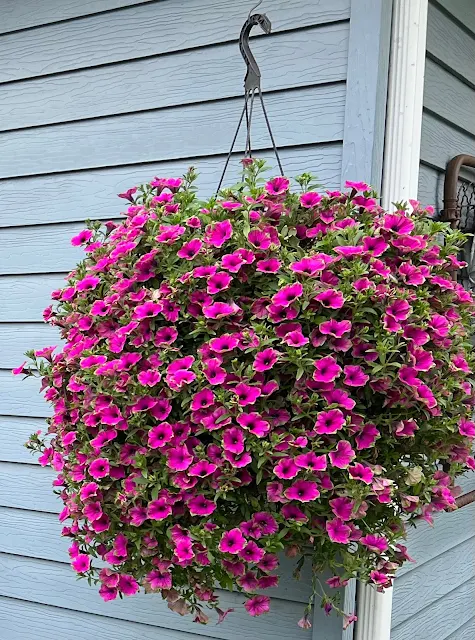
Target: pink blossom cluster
x=277 y=370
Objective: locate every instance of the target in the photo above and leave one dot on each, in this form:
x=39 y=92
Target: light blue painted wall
x=96 y=96
x=435 y=598
x=448 y=125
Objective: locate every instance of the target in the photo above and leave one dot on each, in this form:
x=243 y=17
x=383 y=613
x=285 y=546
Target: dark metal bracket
x=454 y=190
x=459 y=204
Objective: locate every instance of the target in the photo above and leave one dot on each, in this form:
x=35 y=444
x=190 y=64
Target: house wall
x=96 y=96
x=435 y=597
x=448 y=125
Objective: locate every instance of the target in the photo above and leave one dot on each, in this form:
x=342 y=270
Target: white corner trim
x=400 y=182
x=404 y=105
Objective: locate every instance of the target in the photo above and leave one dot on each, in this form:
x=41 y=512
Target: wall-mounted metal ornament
x=459 y=209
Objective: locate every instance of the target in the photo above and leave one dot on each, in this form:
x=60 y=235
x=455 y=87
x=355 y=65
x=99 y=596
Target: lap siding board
x=434 y=598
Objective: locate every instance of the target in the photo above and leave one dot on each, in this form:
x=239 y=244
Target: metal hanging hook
x=252 y=85
x=252 y=80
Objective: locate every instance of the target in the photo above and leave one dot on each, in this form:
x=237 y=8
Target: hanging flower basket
x=277 y=370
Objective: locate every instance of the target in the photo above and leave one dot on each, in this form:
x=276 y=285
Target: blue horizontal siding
x=96 y=97
x=448 y=123
x=145 y=30
x=434 y=598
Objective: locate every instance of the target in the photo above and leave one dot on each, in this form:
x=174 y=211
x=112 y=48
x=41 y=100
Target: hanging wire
x=252 y=85
x=254 y=8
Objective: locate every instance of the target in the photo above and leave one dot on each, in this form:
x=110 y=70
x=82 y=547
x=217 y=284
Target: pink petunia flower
x=165 y=335
x=288 y=295
x=233 y=440
x=259 y=239
x=213 y=372
x=232 y=542
x=251 y=553
x=271 y=265
x=310 y=199
x=190 y=249
x=99 y=468
x=201 y=506
x=88 y=283
x=147 y=310
x=202 y=469
x=128 y=585
x=360 y=472
x=265 y=359
x=343 y=455
x=326 y=369
x=225 y=342
x=355 y=376
x=338 y=531
x=169 y=233
x=399 y=224
x=219 y=233
x=400 y=310
x=218 y=282
x=246 y=394
x=277 y=186
x=439 y=325
x=160 y=435
x=342 y=507
x=340 y=397
x=366 y=436
x=159 y=509
x=467 y=428
x=220 y=310
x=329 y=421
x=88 y=491
x=149 y=378
x=303 y=491
x=179 y=458
x=257 y=605
x=82 y=238
x=254 y=423
x=358 y=186
x=406 y=428
x=375 y=543
x=232 y=262
x=331 y=298
x=375 y=246
x=335 y=328
x=286 y=469
x=311 y=266
x=81 y=563
x=311 y=461
x=295 y=339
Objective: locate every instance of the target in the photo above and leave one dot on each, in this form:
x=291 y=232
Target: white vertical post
x=400 y=182
x=404 y=106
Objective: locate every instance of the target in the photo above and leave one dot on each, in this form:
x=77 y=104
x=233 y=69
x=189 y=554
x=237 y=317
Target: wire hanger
x=252 y=86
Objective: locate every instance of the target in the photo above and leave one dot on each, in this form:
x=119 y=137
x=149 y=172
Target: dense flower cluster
x=273 y=371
